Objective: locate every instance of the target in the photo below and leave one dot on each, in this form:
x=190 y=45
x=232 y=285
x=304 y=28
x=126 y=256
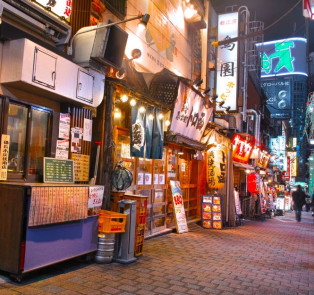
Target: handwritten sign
x=58 y=171
x=64 y=126
x=95 y=198
x=178 y=207
x=81 y=167
x=4 y=155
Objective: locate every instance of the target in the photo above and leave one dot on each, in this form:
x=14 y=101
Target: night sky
x=268 y=11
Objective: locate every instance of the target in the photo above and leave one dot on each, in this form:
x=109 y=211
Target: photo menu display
x=212 y=212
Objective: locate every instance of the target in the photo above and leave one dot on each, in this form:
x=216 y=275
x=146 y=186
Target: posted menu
x=212 y=212
x=58 y=171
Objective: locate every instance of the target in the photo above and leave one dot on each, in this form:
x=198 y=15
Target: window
x=28 y=128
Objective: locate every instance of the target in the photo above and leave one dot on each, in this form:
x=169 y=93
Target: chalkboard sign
x=58 y=170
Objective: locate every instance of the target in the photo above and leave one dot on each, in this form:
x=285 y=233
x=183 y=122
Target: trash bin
x=124 y=248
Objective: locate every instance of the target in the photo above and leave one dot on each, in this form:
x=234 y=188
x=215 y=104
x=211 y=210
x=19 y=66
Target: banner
x=190 y=115
x=137 y=133
x=227 y=60
x=178 y=207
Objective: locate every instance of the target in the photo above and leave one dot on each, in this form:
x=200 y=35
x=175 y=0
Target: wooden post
x=107 y=152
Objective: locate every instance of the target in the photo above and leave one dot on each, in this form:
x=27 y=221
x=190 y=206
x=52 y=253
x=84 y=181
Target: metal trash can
x=105 y=248
x=124 y=248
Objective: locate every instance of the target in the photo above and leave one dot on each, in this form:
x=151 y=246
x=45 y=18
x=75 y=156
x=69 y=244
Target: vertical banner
x=137 y=133
x=4 y=156
x=227 y=60
x=158 y=137
x=64 y=126
x=178 y=207
x=149 y=133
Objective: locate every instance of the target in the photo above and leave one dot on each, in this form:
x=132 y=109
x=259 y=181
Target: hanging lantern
x=122 y=178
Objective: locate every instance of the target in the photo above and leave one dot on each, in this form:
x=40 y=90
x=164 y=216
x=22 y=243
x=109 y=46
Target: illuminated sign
x=190 y=115
x=278 y=93
x=263 y=159
x=293 y=163
x=283 y=57
x=308 y=9
x=227 y=61
x=253 y=183
x=278 y=149
x=242 y=149
x=61 y=8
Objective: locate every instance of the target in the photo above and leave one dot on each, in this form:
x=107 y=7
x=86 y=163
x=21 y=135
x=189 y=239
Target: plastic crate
x=111 y=222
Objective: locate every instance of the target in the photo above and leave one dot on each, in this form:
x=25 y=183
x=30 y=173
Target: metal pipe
x=257 y=127
x=244 y=10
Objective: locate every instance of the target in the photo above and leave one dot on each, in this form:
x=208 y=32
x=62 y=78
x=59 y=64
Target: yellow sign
x=81 y=167
x=216 y=166
x=293 y=163
x=4 y=155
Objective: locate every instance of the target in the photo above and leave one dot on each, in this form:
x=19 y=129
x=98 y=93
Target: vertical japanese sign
x=216 y=166
x=4 y=156
x=227 y=60
x=178 y=207
x=61 y=8
x=282 y=164
x=190 y=115
x=95 y=198
x=64 y=126
x=293 y=163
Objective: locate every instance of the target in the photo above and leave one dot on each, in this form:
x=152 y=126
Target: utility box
x=124 y=248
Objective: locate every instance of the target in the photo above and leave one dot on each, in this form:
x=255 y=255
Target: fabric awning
x=244 y=166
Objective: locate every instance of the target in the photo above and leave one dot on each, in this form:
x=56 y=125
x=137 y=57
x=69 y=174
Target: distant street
x=275 y=256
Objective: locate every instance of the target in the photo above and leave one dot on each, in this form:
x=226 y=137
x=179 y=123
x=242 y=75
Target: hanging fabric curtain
x=158 y=137
x=137 y=131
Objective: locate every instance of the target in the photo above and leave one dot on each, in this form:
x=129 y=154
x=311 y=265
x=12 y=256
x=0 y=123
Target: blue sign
x=283 y=57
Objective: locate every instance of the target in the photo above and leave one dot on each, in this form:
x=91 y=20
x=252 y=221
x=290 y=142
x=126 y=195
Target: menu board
x=58 y=170
x=81 y=167
x=53 y=204
x=212 y=212
x=178 y=207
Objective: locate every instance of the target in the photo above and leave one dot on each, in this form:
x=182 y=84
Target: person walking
x=298 y=197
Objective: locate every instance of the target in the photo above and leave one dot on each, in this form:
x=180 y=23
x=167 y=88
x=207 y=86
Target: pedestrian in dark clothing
x=298 y=200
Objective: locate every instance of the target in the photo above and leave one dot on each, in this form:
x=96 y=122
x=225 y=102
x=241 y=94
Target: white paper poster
x=162 y=178
x=88 y=128
x=95 y=199
x=140 y=178
x=64 y=126
x=62 y=150
x=76 y=139
x=148 y=178
x=155 y=178
x=237 y=203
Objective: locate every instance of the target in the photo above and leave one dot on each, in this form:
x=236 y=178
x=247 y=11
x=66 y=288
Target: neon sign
x=242 y=149
x=283 y=57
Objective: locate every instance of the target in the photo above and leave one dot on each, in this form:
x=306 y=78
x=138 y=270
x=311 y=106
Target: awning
x=180 y=139
x=244 y=166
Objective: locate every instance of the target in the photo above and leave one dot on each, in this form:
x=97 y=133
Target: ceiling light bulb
x=117 y=113
x=132 y=102
x=142 y=110
x=167 y=123
x=124 y=98
x=160 y=116
x=151 y=117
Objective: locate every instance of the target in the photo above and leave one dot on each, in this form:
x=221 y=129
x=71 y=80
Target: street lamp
x=144 y=20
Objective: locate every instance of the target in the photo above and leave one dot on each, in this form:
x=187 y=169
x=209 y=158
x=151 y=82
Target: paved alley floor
x=275 y=256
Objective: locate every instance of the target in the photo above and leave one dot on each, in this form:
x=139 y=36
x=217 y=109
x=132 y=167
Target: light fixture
x=213 y=98
x=143 y=23
x=181 y=151
x=120 y=74
x=124 y=98
x=227 y=109
x=197 y=83
x=206 y=91
x=136 y=53
x=133 y=102
x=151 y=117
x=167 y=123
x=247 y=171
x=221 y=103
x=142 y=110
x=117 y=113
x=160 y=116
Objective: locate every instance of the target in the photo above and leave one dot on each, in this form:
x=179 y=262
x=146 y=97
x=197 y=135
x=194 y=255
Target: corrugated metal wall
x=80 y=16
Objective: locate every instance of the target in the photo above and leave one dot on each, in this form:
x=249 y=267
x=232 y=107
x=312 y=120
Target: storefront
x=48 y=210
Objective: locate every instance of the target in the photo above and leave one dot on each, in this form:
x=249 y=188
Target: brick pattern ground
x=275 y=256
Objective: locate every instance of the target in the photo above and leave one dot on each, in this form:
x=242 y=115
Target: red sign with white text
x=242 y=149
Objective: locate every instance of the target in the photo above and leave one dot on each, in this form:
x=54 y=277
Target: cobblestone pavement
x=275 y=256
